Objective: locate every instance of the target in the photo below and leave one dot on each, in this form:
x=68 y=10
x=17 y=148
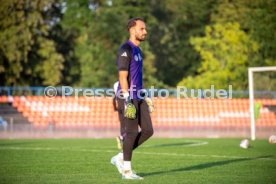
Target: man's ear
x=131 y=30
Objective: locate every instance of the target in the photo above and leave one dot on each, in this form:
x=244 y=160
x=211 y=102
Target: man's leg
x=120 y=138
x=131 y=129
x=145 y=124
x=117 y=160
x=129 y=141
x=121 y=107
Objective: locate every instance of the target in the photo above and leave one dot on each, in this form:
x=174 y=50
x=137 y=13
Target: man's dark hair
x=132 y=22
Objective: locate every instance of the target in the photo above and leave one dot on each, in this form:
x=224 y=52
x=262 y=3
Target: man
x=131 y=97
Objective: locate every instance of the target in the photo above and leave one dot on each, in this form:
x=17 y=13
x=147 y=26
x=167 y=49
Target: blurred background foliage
x=192 y=43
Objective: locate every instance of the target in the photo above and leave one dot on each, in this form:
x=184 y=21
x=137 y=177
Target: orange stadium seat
x=4 y=99
x=169 y=112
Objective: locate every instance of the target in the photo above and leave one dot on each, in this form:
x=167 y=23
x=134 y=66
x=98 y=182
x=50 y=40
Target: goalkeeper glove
x=130 y=110
x=148 y=100
x=150 y=104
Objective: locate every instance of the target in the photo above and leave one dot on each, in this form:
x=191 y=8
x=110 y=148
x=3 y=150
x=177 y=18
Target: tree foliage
x=194 y=43
x=27 y=56
x=226 y=52
x=256 y=20
x=178 y=20
x=101 y=30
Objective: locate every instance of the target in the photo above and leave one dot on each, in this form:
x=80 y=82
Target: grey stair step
x=7 y=111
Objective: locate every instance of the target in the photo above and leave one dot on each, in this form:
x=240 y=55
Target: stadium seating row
x=169 y=112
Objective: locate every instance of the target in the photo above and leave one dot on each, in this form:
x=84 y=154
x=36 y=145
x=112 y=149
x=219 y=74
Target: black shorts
x=142 y=120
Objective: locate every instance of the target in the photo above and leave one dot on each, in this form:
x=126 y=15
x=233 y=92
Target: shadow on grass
x=204 y=165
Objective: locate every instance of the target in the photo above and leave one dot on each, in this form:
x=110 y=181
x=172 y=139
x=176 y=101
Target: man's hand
x=148 y=100
x=150 y=104
x=130 y=110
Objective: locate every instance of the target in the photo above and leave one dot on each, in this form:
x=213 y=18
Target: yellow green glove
x=144 y=95
x=150 y=104
x=130 y=110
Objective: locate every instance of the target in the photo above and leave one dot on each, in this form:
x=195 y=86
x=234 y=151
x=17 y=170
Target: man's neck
x=134 y=41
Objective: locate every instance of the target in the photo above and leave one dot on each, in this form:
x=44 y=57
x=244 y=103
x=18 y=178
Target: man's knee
x=132 y=134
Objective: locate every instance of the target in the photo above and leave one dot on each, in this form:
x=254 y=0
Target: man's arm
x=123 y=67
x=130 y=110
x=123 y=59
x=123 y=81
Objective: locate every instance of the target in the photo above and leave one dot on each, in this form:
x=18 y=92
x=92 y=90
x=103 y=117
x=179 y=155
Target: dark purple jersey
x=129 y=58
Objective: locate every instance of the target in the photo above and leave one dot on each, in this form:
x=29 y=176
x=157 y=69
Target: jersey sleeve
x=123 y=59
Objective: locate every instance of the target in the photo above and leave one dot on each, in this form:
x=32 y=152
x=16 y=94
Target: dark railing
x=70 y=91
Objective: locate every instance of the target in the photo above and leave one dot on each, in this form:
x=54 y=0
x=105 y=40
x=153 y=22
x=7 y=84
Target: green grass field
x=158 y=161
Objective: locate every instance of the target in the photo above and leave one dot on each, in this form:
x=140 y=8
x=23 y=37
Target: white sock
x=127 y=165
x=120 y=155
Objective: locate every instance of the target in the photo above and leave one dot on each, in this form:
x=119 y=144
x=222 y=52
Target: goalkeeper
x=131 y=98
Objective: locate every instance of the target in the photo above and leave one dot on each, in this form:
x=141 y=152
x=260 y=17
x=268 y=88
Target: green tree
x=177 y=21
x=100 y=28
x=27 y=55
x=257 y=20
x=226 y=52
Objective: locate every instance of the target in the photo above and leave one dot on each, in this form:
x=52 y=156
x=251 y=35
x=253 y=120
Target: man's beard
x=142 y=38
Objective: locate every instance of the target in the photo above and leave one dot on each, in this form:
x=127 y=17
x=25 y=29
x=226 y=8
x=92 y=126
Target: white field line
x=139 y=152
x=195 y=143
